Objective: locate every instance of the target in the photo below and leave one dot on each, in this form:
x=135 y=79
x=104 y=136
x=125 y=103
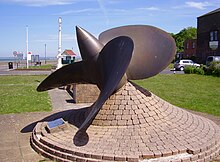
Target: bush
x=194 y=70
x=189 y=69
x=213 y=69
x=199 y=70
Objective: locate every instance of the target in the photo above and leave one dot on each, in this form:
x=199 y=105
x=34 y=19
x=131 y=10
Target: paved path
x=15 y=129
x=4 y=70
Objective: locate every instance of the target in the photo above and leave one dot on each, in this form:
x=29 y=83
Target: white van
x=212 y=59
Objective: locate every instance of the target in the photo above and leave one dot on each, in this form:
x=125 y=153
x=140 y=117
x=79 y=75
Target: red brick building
x=208 y=35
x=189 y=48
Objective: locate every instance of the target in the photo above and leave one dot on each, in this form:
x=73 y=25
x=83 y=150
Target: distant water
x=8 y=59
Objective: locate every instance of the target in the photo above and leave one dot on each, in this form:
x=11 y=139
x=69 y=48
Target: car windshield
x=209 y=58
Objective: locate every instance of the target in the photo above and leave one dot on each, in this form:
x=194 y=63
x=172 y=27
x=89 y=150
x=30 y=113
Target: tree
x=186 y=33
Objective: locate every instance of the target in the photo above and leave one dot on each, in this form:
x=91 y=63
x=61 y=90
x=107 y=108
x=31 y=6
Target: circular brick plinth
x=133 y=125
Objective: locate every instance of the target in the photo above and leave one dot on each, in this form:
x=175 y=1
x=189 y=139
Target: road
x=4 y=70
x=168 y=71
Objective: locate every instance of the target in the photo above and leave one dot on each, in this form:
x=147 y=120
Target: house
x=68 y=57
x=208 y=35
x=189 y=48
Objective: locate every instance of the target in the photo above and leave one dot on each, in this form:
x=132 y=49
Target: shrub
x=194 y=70
x=199 y=70
x=216 y=71
x=189 y=69
x=213 y=69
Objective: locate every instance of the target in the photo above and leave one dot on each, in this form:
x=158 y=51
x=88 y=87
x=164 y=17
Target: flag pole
x=27 y=44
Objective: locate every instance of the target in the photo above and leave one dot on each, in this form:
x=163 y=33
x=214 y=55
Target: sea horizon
x=7 y=59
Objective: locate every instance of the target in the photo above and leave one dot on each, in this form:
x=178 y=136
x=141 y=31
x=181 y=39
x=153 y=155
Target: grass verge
x=18 y=94
x=194 y=92
x=42 y=67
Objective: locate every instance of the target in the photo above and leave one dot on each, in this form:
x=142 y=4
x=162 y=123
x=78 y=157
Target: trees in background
x=186 y=33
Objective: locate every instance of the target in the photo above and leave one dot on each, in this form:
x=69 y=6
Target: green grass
x=171 y=66
x=47 y=67
x=194 y=92
x=18 y=94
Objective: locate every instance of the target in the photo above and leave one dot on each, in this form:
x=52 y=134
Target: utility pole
x=59 y=56
x=45 y=52
x=27 y=44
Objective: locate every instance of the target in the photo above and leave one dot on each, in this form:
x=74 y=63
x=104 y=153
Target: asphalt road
x=168 y=71
x=4 y=70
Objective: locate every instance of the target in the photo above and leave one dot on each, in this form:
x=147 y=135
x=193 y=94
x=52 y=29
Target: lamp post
x=45 y=45
x=27 y=44
x=59 y=56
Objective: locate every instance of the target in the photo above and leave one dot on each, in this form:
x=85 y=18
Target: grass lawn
x=171 y=66
x=191 y=91
x=18 y=94
x=195 y=92
x=46 y=67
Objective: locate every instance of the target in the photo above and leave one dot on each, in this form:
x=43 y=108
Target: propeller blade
x=78 y=72
x=89 y=46
x=113 y=61
x=154 y=49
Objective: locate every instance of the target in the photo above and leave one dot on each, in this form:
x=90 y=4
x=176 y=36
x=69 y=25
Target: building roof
x=68 y=52
x=212 y=12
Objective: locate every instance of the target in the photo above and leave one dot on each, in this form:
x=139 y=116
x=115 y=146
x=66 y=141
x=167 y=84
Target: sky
x=95 y=16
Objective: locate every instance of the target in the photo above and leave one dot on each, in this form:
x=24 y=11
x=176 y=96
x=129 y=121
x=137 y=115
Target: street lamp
x=45 y=45
x=27 y=46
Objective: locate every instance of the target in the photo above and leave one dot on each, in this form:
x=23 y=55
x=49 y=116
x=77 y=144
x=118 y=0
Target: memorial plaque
x=56 y=125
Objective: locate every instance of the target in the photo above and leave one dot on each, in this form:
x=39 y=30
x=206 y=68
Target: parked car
x=180 y=64
x=212 y=59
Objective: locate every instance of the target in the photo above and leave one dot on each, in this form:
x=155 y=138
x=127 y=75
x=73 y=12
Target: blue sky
x=93 y=15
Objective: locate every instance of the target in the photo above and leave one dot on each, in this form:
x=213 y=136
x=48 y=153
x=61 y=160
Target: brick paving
x=133 y=125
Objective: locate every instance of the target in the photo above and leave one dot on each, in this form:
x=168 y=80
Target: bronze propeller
x=128 y=52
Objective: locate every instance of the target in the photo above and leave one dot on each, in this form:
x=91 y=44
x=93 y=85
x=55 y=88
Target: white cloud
x=41 y=3
x=197 y=5
x=104 y=10
x=86 y=10
x=152 y=8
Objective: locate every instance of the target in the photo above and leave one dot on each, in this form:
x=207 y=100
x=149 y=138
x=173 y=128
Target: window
x=187 y=45
x=214 y=35
x=194 y=45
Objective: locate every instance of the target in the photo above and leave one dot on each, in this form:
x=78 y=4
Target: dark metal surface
x=154 y=49
x=80 y=72
x=129 y=52
x=89 y=46
x=112 y=71
x=104 y=71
